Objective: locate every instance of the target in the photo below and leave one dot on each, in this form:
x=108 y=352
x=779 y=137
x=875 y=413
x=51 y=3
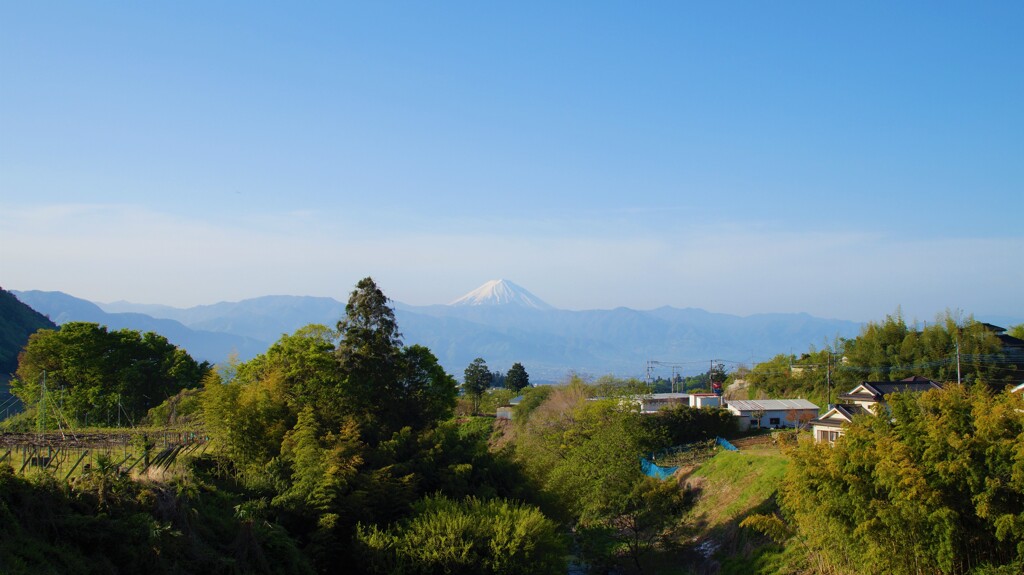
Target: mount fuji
x=501 y=292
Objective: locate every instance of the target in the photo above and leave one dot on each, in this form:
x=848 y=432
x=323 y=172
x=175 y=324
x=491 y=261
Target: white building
x=772 y=413
x=654 y=402
x=702 y=400
x=867 y=398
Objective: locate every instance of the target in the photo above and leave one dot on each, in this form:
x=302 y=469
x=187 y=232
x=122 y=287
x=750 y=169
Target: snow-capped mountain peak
x=501 y=292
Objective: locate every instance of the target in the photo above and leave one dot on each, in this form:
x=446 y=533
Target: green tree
x=476 y=380
x=370 y=357
x=96 y=376
x=494 y=398
x=306 y=360
x=644 y=516
x=773 y=377
x=249 y=407
x=716 y=374
x=497 y=379
x=385 y=386
x=248 y=419
x=427 y=393
x=517 y=379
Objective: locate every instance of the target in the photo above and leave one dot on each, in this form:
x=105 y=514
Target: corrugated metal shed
x=770 y=404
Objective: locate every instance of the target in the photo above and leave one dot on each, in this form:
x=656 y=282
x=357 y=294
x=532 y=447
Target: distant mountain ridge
x=264 y=318
x=499 y=321
x=202 y=345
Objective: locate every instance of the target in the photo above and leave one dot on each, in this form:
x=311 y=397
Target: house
x=867 y=398
x=772 y=413
x=654 y=402
x=1012 y=346
x=829 y=426
x=506 y=411
x=703 y=400
x=870 y=394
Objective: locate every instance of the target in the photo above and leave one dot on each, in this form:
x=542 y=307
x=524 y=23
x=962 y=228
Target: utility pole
x=958 y=356
x=828 y=376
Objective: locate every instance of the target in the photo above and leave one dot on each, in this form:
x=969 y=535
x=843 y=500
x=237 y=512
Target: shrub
x=469 y=536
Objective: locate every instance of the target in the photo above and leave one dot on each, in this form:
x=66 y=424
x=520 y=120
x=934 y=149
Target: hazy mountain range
x=500 y=322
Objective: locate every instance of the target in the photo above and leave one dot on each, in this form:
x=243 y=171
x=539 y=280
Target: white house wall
x=774 y=418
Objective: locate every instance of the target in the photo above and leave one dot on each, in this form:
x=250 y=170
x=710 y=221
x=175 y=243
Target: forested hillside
x=17 y=322
x=946 y=350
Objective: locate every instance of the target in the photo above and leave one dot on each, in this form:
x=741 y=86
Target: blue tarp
x=651 y=469
x=656 y=471
x=726 y=444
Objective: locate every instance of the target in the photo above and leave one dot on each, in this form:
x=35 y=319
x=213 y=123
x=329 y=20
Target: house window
x=829 y=436
x=773 y=421
x=755 y=421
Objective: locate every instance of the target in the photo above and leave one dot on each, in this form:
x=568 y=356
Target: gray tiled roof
x=770 y=404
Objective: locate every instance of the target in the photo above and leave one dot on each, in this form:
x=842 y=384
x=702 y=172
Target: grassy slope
x=732 y=486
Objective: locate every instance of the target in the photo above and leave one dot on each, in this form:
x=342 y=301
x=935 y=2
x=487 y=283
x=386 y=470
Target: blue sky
x=840 y=160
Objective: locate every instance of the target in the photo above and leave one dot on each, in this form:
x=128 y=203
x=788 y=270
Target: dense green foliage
x=468 y=537
x=585 y=452
x=682 y=424
x=491 y=400
x=105 y=522
x=533 y=397
x=97 y=377
x=889 y=351
x=182 y=409
x=938 y=488
x=788 y=376
x=892 y=350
